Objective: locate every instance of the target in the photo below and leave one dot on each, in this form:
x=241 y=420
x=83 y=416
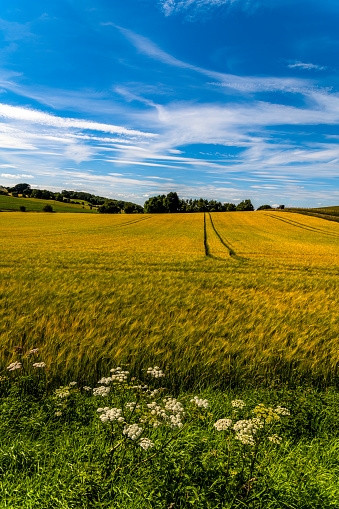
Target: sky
x=220 y=99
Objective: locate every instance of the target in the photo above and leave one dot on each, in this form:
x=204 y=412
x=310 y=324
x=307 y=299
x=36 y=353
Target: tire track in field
x=229 y=249
x=303 y=226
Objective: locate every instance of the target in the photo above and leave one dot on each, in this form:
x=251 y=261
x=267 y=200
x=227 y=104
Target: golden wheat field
x=223 y=294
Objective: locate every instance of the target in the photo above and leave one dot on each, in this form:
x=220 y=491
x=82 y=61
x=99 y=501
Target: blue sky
x=221 y=99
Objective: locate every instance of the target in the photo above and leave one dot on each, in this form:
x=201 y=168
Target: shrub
x=48 y=208
x=22 y=208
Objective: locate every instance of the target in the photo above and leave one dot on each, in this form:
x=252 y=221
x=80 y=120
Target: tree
x=47 y=208
x=172 y=203
x=109 y=207
x=22 y=208
x=20 y=188
x=264 y=207
x=245 y=205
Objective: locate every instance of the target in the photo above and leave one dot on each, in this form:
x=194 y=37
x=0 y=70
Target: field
x=215 y=291
x=12 y=203
x=229 y=305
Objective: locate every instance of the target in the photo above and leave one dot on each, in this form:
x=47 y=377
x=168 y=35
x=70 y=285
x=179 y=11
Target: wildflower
x=58 y=413
x=18 y=349
x=39 y=365
x=238 y=403
x=72 y=383
x=200 y=402
x=101 y=391
x=86 y=388
x=133 y=431
x=118 y=375
x=145 y=443
x=222 y=424
x=110 y=414
x=62 y=392
x=105 y=380
x=275 y=439
x=282 y=411
x=33 y=351
x=14 y=365
x=132 y=405
x=246 y=429
x=155 y=372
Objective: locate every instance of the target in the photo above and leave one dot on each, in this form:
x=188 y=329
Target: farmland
x=221 y=292
x=230 y=305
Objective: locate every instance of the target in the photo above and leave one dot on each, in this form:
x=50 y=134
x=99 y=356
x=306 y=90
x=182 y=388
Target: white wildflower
x=58 y=413
x=132 y=405
x=62 y=392
x=222 y=424
x=101 y=391
x=118 y=375
x=86 y=388
x=72 y=383
x=246 y=429
x=14 y=365
x=156 y=372
x=145 y=443
x=33 y=351
x=282 y=411
x=39 y=365
x=133 y=431
x=105 y=380
x=110 y=414
x=275 y=439
x=238 y=403
x=200 y=402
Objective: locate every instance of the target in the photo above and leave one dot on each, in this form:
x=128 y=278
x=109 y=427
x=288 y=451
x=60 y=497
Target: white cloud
x=170 y=7
x=30 y=115
x=309 y=67
x=240 y=83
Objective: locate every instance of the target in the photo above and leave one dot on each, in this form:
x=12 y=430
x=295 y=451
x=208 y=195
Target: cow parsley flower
x=133 y=431
x=156 y=372
x=200 y=402
x=39 y=365
x=86 y=388
x=238 y=403
x=246 y=429
x=105 y=380
x=223 y=424
x=14 y=365
x=145 y=443
x=62 y=392
x=111 y=414
x=282 y=411
x=101 y=391
x=118 y=375
x=58 y=413
x=72 y=383
x=275 y=439
x=33 y=351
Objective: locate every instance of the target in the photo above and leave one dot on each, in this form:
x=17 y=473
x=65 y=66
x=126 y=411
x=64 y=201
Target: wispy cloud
x=240 y=83
x=309 y=67
x=30 y=115
x=170 y=7
x=14 y=31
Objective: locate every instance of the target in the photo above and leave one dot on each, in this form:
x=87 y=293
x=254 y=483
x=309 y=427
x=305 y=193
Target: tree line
x=172 y=203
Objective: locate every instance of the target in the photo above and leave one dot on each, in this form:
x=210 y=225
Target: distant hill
x=329 y=213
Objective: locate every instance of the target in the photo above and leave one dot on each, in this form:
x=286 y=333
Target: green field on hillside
x=12 y=203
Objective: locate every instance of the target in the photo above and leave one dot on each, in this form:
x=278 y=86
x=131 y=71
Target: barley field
x=225 y=296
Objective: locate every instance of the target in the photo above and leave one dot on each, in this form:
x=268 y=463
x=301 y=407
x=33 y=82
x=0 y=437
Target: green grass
x=12 y=203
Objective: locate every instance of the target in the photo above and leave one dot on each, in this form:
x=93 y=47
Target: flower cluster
x=14 y=365
x=111 y=414
x=238 y=403
x=118 y=375
x=200 y=402
x=39 y=365
x=275 y=439
x=246 y=429
x=86 y=388
x=62 y=392
x=101 y=391
x=281 y=410
x=223 y=424
x=132 y=405
x=155 y=372
x=33 y=351
x=132 y=431
x=145 y=443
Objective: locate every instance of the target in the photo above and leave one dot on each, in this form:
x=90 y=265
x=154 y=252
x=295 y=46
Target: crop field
x=231 y=296
x=10 y=203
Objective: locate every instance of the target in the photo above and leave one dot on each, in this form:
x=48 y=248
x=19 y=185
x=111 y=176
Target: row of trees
x=172 y=203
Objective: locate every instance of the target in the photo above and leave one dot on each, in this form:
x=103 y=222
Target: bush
x=48 y=208
x=22 y=208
